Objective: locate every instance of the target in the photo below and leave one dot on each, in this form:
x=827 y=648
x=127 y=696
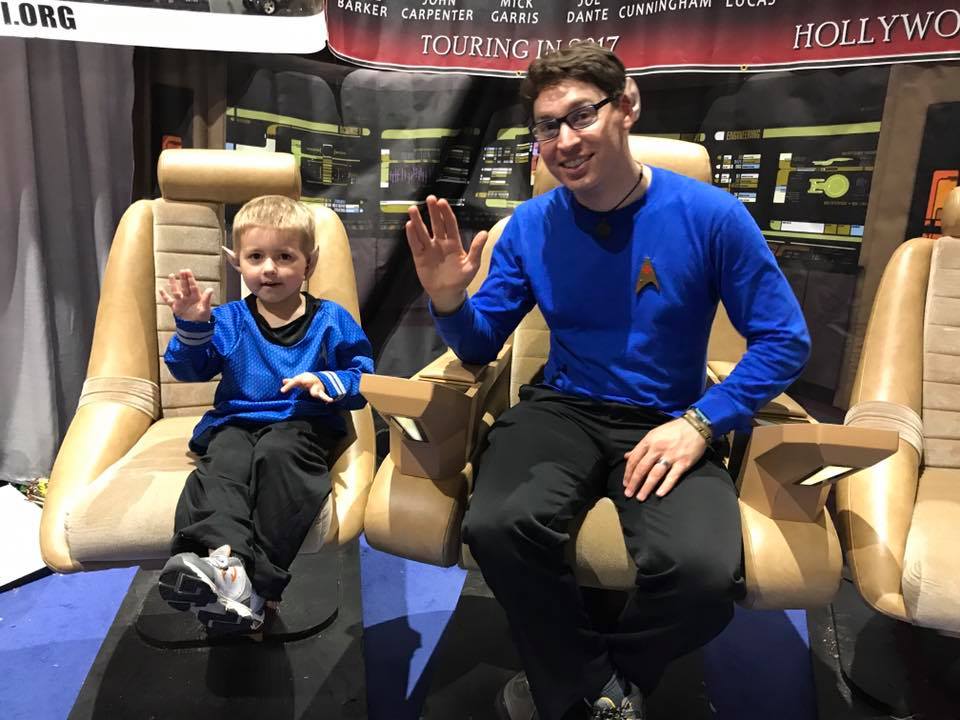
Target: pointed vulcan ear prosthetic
x=632 y=93
x=312 y=260
x=231 y=257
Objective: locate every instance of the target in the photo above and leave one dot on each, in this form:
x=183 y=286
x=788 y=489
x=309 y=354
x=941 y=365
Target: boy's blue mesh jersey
x=252 y=368
x=610 y=338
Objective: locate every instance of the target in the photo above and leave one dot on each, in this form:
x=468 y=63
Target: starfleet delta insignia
x=647 y=276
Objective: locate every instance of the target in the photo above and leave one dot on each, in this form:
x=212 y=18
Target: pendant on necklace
x=603 y=229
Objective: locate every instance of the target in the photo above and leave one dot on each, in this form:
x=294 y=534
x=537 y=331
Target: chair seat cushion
x=931 y=564
x=126 y=515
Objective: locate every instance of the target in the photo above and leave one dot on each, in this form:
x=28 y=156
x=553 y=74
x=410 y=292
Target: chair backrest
x=941 y=345
x=189 y=230
x=531 y=339
x=908 y=378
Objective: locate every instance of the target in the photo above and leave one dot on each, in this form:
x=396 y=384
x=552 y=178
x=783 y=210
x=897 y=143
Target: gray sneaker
x=217 y=587
x=631 y=707
x=514 y=701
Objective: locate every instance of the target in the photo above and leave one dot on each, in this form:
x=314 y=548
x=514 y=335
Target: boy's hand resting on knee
x=184 y=297
x=309 y=382
x=661 y=459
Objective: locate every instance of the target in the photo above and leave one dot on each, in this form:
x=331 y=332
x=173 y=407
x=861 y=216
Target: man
x=627 y=263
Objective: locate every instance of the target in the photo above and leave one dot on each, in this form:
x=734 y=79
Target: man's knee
x=700 y=575
x=708 y=576
x=503 y=532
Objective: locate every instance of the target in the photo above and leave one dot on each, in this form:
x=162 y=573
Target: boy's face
x=272 y=263
x=580 y=158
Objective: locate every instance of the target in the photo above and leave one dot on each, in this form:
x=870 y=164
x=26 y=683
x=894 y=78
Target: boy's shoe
x=514 y=701
x=631 y=707
x=217 y=586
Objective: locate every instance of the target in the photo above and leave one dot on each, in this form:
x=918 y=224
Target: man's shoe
x=514 y=701
x=216 y=586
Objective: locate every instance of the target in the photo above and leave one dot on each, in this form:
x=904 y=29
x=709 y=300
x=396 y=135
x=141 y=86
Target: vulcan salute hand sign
x=443 y=267
x=185 y=298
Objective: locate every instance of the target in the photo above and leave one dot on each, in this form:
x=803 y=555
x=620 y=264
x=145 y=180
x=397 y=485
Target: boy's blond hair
x=278 y=212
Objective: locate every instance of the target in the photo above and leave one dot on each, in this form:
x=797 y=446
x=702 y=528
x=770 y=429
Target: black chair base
x=871 y=666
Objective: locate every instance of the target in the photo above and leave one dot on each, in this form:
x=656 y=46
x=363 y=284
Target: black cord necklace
x=603 y=228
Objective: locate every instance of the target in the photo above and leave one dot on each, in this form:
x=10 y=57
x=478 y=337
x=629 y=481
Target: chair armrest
x=99 y=435
x=448 y=368
x=351 y=478
x=435 y=416
x=416 y=518
x=791 y=553
x=420 y=492
x=790 y=469
x=874 y=513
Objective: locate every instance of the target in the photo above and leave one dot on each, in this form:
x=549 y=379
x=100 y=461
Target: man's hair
x=278 y=212
x=587 y=62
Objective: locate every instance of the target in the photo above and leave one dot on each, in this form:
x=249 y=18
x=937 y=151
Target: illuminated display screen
x=804 y=185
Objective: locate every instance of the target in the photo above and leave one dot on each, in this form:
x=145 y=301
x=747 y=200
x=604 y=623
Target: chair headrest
x=950 y=219
x=680 y=156
x=226 y=176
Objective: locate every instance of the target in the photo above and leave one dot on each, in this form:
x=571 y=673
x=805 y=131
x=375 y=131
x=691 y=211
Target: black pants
x=258 y=489
x=548 y=458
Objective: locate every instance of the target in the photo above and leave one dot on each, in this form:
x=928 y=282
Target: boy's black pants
x=548 y=458
x=258 y=489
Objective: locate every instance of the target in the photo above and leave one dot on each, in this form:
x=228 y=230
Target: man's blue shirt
x=611 y=342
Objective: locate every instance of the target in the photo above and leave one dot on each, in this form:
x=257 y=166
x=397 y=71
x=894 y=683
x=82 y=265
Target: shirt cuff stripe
x=195 y=334
x=194 y=339
x=335 y=382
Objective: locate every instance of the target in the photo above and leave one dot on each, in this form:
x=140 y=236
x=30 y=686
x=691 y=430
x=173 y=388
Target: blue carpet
x=406 y=606
x=760 y=667
x=50 y=632
x=51 y=629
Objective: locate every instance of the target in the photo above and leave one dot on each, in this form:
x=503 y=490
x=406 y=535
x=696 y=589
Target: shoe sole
x=184 y=587
x=225 y=622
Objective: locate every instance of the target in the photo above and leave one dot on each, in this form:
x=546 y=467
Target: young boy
x=289 y=364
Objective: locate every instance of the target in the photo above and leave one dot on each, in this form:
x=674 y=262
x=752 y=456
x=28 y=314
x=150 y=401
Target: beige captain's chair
x=124 y=460
x=899 y=520
x=439 y=417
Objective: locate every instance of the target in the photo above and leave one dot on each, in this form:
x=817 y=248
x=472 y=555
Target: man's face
x=580 y=158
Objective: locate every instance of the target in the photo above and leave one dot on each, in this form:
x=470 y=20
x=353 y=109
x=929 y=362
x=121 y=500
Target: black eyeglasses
x=579 y=119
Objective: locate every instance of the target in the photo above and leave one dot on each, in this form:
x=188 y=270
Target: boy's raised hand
x=185 y=298
x=443 y=267
x=309 y=382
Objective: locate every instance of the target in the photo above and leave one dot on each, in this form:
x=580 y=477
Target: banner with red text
x=501 y=37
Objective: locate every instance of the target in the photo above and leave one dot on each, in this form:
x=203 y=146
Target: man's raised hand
x=185 y=299
x=444 y=268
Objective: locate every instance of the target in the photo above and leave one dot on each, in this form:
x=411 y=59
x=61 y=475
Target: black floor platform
x=476 y=657
x=307 y=664
x=870 y=667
